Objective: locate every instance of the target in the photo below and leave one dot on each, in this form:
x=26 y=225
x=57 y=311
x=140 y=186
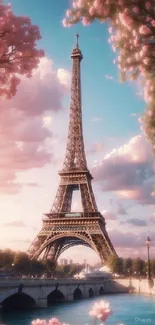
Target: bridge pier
x=41 y=303
x=69 y=297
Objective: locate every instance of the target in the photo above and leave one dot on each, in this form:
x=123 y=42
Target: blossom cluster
x=52 y=321
x=100 y=310
x=132 y=36
x=18 y=52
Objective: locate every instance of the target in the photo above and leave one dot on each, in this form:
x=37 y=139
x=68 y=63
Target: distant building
x=65 y=262
x=70 y=262
x=85 y=262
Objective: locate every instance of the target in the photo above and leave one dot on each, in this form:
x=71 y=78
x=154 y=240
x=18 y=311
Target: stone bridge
x=30 y=293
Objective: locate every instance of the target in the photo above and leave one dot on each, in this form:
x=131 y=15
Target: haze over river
x=127 y=309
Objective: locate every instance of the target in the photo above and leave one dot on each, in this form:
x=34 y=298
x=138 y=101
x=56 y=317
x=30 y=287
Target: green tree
x=37 y=268
x=127 y=266
x=50 y=267
x=153 y=267
x=22 y=264
x=139 y=267
x=116 y=264
x=6 y=259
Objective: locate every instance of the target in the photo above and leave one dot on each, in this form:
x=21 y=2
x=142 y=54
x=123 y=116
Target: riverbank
x=138 y=286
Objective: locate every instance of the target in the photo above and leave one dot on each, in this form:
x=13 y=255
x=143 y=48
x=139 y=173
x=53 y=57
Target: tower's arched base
x=62 y=233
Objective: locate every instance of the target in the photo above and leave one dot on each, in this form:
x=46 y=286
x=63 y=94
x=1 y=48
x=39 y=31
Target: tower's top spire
x=77 y=37
x=76 y=51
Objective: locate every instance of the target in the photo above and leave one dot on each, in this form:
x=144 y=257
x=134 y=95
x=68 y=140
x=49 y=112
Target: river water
x=127 y=309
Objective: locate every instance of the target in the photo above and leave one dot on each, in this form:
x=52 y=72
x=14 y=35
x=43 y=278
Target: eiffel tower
x=62 y=228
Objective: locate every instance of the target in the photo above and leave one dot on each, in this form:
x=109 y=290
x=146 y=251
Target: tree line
x=19 y=264
x=130 y=267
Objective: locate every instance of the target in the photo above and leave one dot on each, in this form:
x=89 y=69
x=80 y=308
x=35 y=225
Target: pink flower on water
x=100 y=310
x=54 y=321
x=39 y=322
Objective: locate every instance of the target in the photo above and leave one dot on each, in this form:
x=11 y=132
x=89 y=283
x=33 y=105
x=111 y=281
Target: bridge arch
x=77 y=294
x=54 y=297
x=18 y=301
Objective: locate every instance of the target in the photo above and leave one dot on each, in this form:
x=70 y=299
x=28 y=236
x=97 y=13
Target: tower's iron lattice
x=62 y=228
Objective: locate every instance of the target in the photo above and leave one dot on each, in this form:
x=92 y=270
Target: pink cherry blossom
x=150 y=113
x=85 y=21
x=136 y=41
x=121 y=2
x=80 y=3
x=148 y=5
x=153 y=23
x=110 y=29
x=100 y=310
x=18 y=52
x=97 y=4
x=136 y=10
x=68 y=13
x=92 y=11
x=74 y=4
x=144 y=30
x=146 y=61
x=145 y=48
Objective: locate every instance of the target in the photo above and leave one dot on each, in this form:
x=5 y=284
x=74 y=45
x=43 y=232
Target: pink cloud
x=16 y=223
x=128 y=171
x=152 y=219
x=129 y=239
x=137 y=222
x=108 y=215
x=24 y=125
x=121 y=210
